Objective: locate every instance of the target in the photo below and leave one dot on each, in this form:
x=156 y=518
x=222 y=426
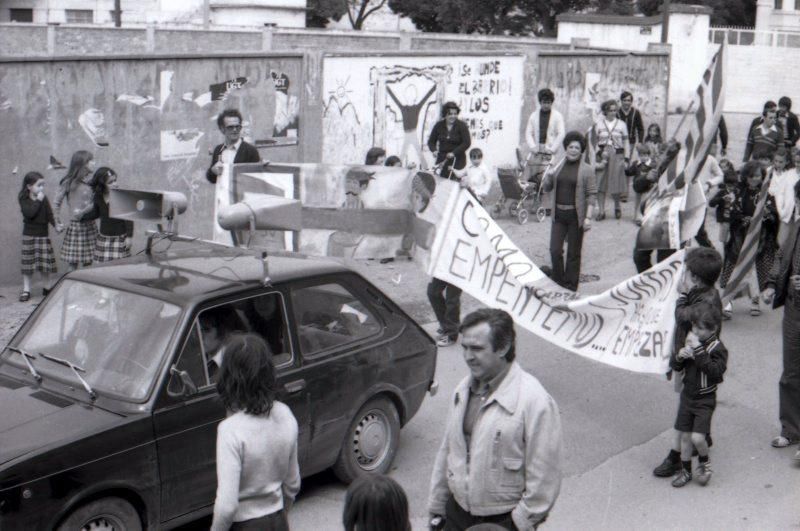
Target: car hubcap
x=103 y=523
x=371 y=440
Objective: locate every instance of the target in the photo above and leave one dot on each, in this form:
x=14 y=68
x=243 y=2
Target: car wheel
x=371 y=441
x=103 y=514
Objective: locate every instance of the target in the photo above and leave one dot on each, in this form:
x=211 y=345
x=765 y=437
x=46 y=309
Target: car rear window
x=329 y=316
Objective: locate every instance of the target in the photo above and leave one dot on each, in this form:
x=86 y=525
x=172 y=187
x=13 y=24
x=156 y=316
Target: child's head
x=705 y=319
x=703 y=266
x=79 y=166
x=247 y=375
x=796 y=156
x=375 y=502
x=654 y=131
x=104 y=178
x=764 y=158
x=393 y=161
x=780 y=159
x=32 y=184
x=475 y=155
x=752 y=174
x=643 y=150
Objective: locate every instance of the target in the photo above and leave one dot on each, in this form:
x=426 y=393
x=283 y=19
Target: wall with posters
x=152 y=120
x=393 y=101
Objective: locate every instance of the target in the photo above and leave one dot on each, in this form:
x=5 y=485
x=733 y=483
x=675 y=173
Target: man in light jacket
x=545 y=130
x=500 y=460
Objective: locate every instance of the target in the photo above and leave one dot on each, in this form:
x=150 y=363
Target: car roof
x=197 y=271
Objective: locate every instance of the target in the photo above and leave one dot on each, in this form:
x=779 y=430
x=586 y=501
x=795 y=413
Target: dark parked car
x=108 y=408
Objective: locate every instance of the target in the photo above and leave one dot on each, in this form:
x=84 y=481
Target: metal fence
x=751 y=37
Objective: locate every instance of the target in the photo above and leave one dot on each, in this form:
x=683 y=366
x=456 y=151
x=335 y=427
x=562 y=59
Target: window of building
x=778 y=4
x=21 y=15
x=80 y=16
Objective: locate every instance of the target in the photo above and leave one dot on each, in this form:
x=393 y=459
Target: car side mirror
x=180 y=383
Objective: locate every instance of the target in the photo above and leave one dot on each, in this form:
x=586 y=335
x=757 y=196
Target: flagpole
x=683 y=119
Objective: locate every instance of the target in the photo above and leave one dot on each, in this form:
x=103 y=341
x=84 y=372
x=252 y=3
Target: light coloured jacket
x=514 y=460
x=555 y=131
x=585 y=188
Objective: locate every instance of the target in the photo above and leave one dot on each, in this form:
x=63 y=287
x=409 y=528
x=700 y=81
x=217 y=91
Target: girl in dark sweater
x=37 y=251
x=114 y=238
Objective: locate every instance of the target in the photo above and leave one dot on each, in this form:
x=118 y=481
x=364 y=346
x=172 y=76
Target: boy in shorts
x=703 y=360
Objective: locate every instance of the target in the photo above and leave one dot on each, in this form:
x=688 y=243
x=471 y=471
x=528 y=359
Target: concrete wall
x=159 y=131
x=583 y=80
x=688 y=38
x=760 y=73
x=156 y=117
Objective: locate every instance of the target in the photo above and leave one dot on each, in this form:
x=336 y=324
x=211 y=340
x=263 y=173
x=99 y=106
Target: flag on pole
x=673 y=212
x=747 y=254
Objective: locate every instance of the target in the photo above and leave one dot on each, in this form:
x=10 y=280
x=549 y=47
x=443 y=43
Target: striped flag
x=675 y=211
x=747 y=255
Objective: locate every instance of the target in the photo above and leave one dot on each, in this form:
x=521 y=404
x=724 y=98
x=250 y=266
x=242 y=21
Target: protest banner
x=629 y=326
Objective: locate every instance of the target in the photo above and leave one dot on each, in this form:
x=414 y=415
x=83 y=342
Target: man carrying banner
x=500 y=460
x=783 y=289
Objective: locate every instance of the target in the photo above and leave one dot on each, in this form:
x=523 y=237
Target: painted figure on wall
x=410 y=113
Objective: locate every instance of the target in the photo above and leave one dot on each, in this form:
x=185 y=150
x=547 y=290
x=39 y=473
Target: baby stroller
x=522 y=195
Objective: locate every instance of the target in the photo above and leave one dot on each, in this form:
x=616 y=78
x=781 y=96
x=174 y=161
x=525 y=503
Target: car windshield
x=117 y=338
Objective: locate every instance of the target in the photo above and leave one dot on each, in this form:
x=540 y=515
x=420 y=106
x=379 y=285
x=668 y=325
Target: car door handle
x=295 y=386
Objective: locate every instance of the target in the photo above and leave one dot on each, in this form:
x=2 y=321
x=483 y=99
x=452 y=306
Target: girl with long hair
x=257 y=471
x=77 y=188
x=37 y=251
x=114 y=239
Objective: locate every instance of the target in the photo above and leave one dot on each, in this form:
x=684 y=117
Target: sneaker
x=445 y=341
x=682 y=478
x=667 y=468
x=703 y=473
x=440 y=331
x=755 y=308
x=727 y=312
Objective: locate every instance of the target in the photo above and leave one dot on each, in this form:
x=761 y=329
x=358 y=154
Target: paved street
x=616 y=424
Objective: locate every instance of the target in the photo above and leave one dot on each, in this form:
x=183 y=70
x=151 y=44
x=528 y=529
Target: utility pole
x=664 y=21
x=118 y=13
x=206 y=13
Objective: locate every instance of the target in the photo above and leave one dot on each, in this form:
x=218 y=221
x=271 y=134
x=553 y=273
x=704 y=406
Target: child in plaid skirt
x=114 y=238
x=76 y=187
x=37 y=251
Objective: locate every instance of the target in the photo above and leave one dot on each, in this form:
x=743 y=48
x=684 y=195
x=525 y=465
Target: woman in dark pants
x=450 y=140
x=574 y=199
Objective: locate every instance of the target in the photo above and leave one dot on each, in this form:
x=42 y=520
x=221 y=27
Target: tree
x=503 y=17
x=725 y=12
x=615 y=7
x=320 y=12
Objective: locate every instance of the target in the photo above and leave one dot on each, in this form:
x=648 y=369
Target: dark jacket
x=722 y=133
x=704 y=372
x=782 y=268
x=741 y=213
x=111 y=226
x=683 y=307
x=245 y=153
x=457 y=142
x=633 y=121
x=585 y=188
x=36 y=216
x=723 y=208
x=791 y=132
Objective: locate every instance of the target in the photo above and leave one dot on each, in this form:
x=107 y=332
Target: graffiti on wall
x=394 y=102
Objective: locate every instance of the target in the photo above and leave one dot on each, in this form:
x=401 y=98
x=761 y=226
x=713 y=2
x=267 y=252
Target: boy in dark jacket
x=702 y=267
x=703 y=360
x=724 y=200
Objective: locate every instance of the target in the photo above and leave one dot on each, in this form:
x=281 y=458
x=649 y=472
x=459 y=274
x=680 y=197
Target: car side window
x=191 y=358
x=262 y=315
x=329 y=315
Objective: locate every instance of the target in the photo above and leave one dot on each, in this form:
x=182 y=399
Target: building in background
x=281 y=13
x=778 y=15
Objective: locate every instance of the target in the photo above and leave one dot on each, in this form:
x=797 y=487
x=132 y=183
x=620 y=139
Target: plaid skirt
x=109 y=248
x=78 y=245
x=37 y=255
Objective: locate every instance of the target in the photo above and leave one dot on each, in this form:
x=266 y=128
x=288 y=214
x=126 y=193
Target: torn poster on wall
x=287 y=107
x=180 y=143
x=393 y=102
x=93 y=123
